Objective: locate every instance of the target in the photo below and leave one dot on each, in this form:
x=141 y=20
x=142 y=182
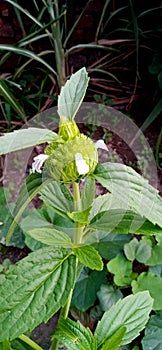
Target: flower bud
x=68 y=129
x=72 y=160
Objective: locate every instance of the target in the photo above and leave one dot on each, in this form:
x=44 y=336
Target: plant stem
x=77 y=239
x=30 y=342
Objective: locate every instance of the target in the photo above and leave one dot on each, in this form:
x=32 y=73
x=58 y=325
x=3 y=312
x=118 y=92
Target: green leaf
x=72 y=94
x=115 y=340
x=88 y=193
x=139 y=250
x=34 y=290
x=80 y=216
x=74 y=335
x=28 y=191
x=108 y=245
x=131 y=312
x=25 y=138
x=49 y=236
x=153 y=334
x=108 y=296
x=89 y=257
x=148 y=281
x=121 y=221
x=10 y=98
x=130 y=189
x=156 y=270
x=27 y=53
x=122 y=270
x=86 y=288
x=156 y=254
x=53 y=197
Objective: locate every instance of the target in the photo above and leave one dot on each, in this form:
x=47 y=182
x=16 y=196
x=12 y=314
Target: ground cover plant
x=72 y=237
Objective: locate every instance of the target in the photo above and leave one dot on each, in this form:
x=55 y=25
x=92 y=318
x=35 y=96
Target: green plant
x=44 y=281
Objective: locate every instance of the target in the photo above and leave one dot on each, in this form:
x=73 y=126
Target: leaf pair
x=118 y=326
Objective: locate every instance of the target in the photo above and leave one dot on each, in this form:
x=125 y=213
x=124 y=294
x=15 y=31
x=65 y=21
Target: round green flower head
x=72 y=160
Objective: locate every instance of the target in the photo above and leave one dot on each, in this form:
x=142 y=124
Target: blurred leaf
x=153 y=334
x=24 y=138
x=148 y=281
x=10 y=98
x=108 y=296
x=139 y=250
x=152 y=116
x=108 y=245
x=122 y=270
x=86 y=288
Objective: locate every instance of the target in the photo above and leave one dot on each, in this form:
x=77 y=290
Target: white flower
x=101 y=144
x=1 y=223
x=38 y=162
x=81 y=164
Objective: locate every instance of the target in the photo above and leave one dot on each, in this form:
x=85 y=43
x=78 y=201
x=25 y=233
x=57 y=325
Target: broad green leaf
x=139 y=250
x=80 y=216
x=131 y=189
x=89 y=257
x=122 y=270
x=131 y=312
x=148 y=281
x=40 y=218
x=53 y=196
x=72 y=94
x=156 y=270
x=156 y=254
x=108 y=296
x=50 y=236
x=115 y=340
x=25 y=138
x=108 y=245
x=34 y=290
x=153 y=334
x=88 y=193
x=10 y=98
x=121 y=221
x=74 y=335
x=33 y=184
x=86 y=288
x=103 y=203
x=130 y=249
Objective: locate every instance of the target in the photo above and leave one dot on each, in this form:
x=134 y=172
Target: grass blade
x=10 y=98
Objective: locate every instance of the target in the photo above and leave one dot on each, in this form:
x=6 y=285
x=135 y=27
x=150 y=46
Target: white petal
x=81 y=164
x=1 y=223
x=38 y=162
x=101 y=144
